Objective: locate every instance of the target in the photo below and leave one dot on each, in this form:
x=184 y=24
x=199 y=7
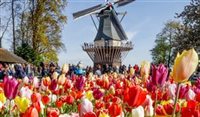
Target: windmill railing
x=126 y=46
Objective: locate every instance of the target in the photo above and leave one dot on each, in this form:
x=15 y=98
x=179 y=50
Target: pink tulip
x=159 y=75
x=190 y=95
x=26 y=92
x=172 y=90
x=10 y=87
x=86 y=106
x=36 y=82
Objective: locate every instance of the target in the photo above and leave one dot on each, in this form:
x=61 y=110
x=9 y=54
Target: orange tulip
x=115 y=110
x=46 y=81
x=31 y=112
x=184 y=65
x=134 y=96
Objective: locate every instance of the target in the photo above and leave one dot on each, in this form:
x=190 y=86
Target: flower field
x=145 y=92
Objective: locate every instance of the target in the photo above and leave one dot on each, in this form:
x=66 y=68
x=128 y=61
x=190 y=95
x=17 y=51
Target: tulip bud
x=145 y=69
x=184 y=65
x=65 y=68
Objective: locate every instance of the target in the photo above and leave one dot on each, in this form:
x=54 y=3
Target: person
x=98 y=70
x=1 y=71
x=44 y=70
x=52 y=71
x=19 y=71
x=6 y=70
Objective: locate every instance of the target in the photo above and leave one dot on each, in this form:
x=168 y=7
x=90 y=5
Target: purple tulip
x=97 y=93
x=159 y=74
x=197 y=83
x=10 y=87
x=79 y=84
x=53 y=85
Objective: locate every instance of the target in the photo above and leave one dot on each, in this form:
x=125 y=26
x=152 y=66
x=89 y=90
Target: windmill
x=110 y=45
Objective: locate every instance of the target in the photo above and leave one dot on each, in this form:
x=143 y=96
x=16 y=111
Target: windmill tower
x=110 y=45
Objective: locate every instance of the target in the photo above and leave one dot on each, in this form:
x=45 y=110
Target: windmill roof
x=110 y=27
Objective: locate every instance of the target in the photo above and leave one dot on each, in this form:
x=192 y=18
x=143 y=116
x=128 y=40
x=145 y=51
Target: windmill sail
x=123 y=2
x=89 y=11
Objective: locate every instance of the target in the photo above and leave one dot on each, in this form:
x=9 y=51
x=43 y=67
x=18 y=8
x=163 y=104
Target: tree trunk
x=0 y=42
x=13 y=25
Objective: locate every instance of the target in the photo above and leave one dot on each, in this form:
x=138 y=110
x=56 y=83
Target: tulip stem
x=10 y=108
x=155 y=103
x=176 y=99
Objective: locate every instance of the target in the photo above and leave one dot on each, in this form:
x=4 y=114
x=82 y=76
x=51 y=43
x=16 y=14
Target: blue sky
x=144 y=20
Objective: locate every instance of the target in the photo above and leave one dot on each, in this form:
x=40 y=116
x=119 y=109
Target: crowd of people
x=48 y=69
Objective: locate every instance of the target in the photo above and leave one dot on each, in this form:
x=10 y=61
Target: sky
x=145 y=19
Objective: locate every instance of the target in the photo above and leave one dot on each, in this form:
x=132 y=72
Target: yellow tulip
x=61 y=79
x=132 y=71
x=145 y=69
x=103 y=115
x=65 y=68
x=89 y=95
x=184 y=65
x=2 y=98
x=55 y=75
x=22 y=103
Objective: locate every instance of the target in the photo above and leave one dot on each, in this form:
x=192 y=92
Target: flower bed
x=110 y=95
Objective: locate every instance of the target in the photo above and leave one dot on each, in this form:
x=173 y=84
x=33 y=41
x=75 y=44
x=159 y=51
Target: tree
x=165 y=43
x=160 y=51
x=4 y=25
x=13 y=24
x=189 y=36
x=26 y=52
x=41 y=26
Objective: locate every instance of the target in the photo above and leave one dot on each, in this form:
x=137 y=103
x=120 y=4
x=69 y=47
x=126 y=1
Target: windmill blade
x=89 y=11
x=123 y=2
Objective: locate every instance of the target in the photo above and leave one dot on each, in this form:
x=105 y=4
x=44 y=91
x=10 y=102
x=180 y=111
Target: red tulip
x=159 y=74
x=70 y=99
x=59 y=103
x=35 y=97
x=191 y=110
x=99 y=104
x=31 y=112
x=134 y=96
x=37 y=105
x=53 y=85
x=89 y=114
x=10 y=87
x=160 y=111
x=53 y=112
x=115 y=110
x=45 y=100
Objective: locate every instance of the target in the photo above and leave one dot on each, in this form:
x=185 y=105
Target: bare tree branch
x=4 y=31
x=3 y=3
